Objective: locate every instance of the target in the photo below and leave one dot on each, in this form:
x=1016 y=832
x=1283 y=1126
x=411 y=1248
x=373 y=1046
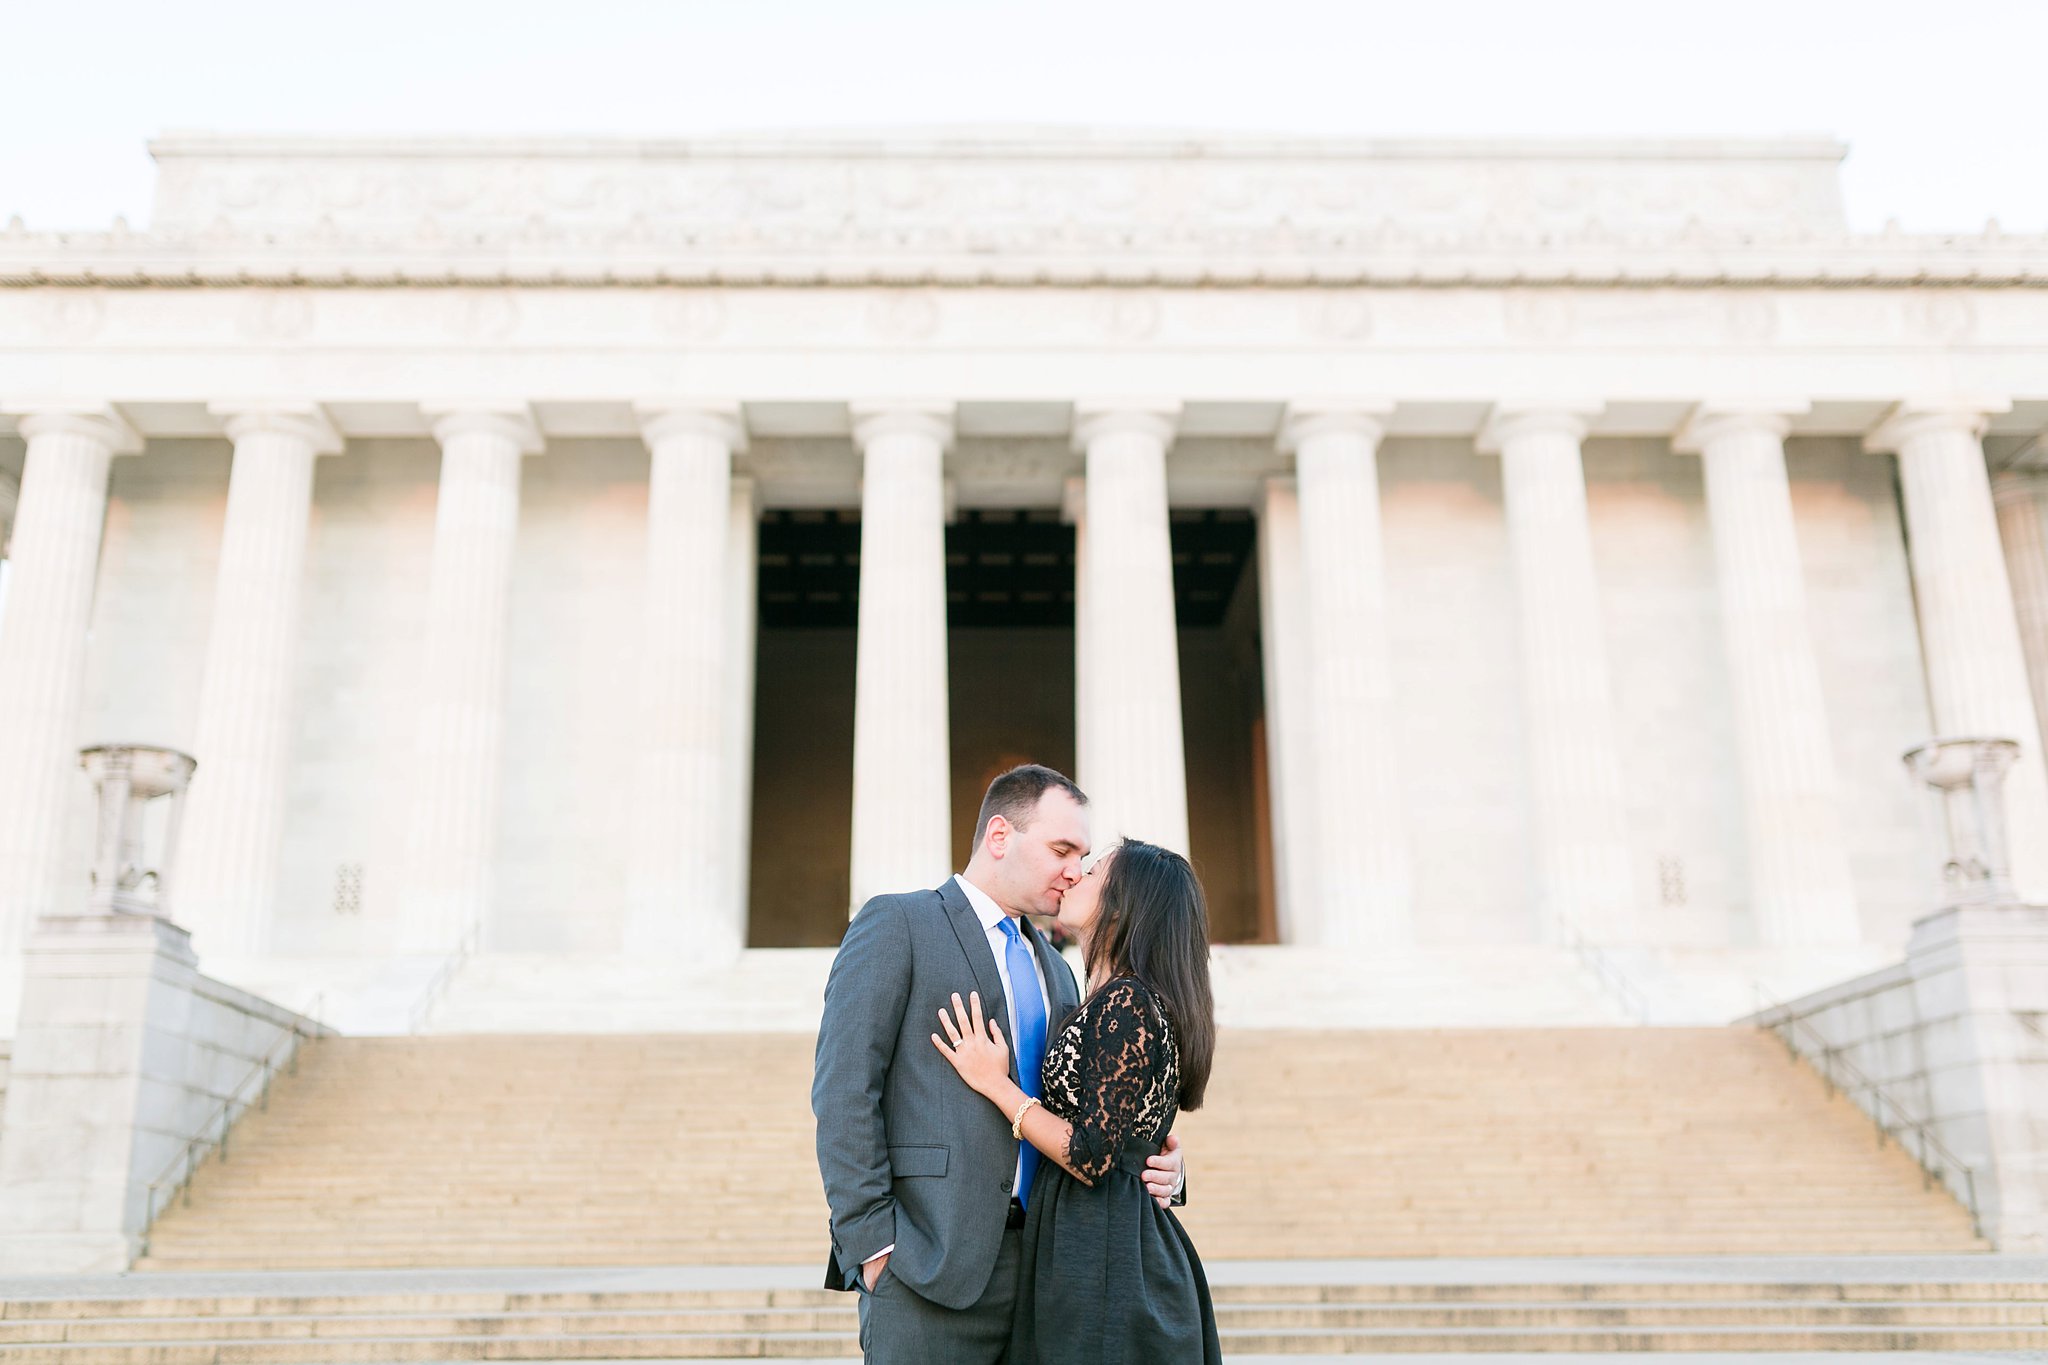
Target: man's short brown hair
x=1014 y=795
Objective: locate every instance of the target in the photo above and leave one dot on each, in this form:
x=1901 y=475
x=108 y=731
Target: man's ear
x=996 y=838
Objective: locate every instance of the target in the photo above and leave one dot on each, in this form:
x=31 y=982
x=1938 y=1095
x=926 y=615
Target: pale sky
x=1944 y=103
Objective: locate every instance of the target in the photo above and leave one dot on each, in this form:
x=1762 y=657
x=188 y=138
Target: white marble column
x=2022 y=499
x=1361 y=887
x=1074 y=512
x=1132 y=760
x=10 y=494
x=54 y=560
x=1969 y=630
x=451 y=835
x=234 y=828
x=742 y=615
x=902 y=756
x=1801 y=892
x=10 y=498
x=1290 y=734
x=1580 y=811
x=678 y=864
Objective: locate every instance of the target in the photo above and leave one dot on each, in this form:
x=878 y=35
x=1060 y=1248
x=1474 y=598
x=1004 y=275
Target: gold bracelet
x=1017 y=1120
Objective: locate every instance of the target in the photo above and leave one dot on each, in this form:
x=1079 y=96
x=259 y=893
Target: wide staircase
x=697 y=1149
x=691 y=1155
x=1288 y=1321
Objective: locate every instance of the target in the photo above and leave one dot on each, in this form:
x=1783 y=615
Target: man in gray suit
x=922 y=1176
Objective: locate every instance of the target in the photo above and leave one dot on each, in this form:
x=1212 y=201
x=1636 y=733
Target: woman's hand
x=976 y=1049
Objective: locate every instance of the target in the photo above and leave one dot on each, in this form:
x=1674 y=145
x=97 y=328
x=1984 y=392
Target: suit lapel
x=1049 y=965
x=974 y=942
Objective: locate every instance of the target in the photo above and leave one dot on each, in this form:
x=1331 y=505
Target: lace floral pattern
x=1113 y=1072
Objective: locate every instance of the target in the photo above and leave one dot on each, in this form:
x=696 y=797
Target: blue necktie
x=1030 y=1002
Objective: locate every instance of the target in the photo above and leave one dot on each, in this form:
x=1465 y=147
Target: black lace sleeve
x=1122 y=1055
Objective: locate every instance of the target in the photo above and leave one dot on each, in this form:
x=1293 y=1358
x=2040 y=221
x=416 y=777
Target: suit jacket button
x=1004 y=1187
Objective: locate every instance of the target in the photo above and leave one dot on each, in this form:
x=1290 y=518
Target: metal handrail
x=1935 y=1156
x=444 y=975
x=1635 y=1001
x=177 y=1176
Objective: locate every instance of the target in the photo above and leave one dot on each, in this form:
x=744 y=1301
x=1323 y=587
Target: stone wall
x=123 y=1052
x=1955 y=1036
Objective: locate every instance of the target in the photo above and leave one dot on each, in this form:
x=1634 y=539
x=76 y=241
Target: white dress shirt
x=992 y=917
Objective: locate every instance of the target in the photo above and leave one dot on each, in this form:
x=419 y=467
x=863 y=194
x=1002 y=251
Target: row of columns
x=1343 y=851
x=687 y=843
x=1128 y=715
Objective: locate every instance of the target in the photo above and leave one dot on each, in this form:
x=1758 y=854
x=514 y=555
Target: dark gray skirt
x=1107 y=1276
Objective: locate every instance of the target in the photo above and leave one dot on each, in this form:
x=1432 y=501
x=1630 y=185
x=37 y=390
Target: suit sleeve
x=865 y=997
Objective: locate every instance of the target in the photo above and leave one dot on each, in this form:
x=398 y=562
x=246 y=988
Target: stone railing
x=123 y=1054
x=126 y=1061
x=251 y=1092
x=1949 y=1044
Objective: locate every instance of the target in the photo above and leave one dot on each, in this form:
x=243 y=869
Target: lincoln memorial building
x=584 y=570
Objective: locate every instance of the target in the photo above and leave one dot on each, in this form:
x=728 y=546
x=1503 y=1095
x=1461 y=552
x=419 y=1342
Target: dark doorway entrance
x=1010 y=665
x=1216 y=606
x=1010 y=660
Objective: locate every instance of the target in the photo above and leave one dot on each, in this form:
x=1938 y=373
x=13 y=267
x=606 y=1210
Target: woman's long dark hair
x=1152 y=922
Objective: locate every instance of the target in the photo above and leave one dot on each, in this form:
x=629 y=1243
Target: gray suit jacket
x=909 y=1154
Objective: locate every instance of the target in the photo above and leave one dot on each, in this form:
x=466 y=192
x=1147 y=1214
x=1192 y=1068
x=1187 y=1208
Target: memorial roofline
x=1010 y=206
x=1003 y=140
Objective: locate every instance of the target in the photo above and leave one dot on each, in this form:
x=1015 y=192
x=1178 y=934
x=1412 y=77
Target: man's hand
x=1163 y=1173
x=871 y=1273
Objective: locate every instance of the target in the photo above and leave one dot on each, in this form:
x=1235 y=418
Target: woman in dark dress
x=1109 y=1275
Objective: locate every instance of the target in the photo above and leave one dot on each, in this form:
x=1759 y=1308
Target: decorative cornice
x=1377 y=257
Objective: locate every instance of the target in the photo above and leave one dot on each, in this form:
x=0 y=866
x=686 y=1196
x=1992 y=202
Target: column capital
x=511 y=421
x=931 y=419
x=1911 y=417
x=308 y=422
x=663 y=418
x=1718 y=417
x=1525 y=417
x=100 y=422
x=1157 y=418
x=1306 y=419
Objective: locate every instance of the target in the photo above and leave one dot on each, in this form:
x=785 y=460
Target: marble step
x=843 y=1344
x=422 y=1151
